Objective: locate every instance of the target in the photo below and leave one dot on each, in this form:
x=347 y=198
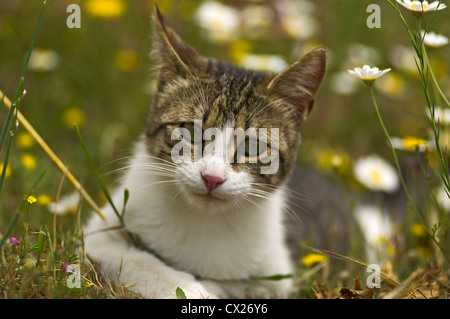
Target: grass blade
x=354 y=260
x=15 y=103
x=97 y=175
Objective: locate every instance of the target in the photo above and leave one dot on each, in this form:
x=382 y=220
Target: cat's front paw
x=166 y=287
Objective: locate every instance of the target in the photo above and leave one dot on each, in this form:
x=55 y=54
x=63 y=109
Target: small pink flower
x=14 y=241
x=65 y=267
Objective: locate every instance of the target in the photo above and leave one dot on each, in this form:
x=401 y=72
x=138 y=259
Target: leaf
x=180 y=293
x=274 y=277
x=126 y=196
x=40 y=246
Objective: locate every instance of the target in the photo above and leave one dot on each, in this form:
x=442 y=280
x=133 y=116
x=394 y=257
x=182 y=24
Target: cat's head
x=242 y=127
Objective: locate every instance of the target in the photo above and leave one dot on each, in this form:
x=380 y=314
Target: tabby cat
x=212 y=226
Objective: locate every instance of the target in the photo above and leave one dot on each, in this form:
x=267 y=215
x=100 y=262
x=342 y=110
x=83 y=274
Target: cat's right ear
x=298 y=84
x=175 y=57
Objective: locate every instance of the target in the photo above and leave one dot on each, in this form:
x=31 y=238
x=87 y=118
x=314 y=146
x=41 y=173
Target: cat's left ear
x=176 y=58
x=298 y=84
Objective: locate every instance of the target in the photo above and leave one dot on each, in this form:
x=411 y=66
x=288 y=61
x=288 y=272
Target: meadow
x=87 y=90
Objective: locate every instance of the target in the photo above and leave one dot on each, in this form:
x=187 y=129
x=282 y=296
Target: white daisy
x=42 y=60
x=376 y=226
x=440 y=115
x=442 y=198
x=413 y=144
x=68 y=204
x=418 y=7
x=274 y=63
x=376 y=174
x=343 y=83
x=220 y=22
x=434 y=40
x=368 y=74
x=296 y=18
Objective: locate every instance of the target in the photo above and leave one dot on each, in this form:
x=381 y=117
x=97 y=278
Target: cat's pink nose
x=212 y=181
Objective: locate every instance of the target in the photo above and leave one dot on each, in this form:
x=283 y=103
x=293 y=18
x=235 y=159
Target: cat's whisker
x=145 y=168
x=250 y=200
x=288 y=191
x=171 y=163
x=264 y=194
x=179 y=191
x=161 y=182
x=129 y=159
x=296 y=217
x=288 y=207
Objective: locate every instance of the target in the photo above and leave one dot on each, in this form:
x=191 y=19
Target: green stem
x=397 y=164
x=435 y=82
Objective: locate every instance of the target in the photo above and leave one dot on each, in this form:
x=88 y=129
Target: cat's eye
x=194 y=132
x=251 y=147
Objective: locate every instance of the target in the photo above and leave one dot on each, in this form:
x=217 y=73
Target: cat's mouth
x=207 y=199
x=210 y=197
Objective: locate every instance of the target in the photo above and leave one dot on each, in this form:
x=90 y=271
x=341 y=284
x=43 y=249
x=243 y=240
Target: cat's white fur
x=210 y=248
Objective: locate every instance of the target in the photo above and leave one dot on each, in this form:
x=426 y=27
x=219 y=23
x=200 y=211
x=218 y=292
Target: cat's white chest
x=220 y=245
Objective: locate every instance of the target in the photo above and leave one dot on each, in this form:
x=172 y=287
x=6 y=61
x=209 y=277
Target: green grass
x=102 y=83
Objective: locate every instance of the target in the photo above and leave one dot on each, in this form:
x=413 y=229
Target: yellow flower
x=25 y=140
x=423 y=252
x=73 y=115
x=390 y=250
x=330 y=159
x=392 y=84
x=8 y=170
x=44 y=200
x=88 y=284
x=313 y=259
x=126 y=60
x=418 y=230
x=31 y=199
x=239 y=49
x=105 y=9
x=28 y=161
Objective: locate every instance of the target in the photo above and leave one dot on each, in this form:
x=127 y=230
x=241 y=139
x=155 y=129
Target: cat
x=211 y=226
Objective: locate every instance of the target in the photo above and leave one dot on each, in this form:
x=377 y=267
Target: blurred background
x=99 y=77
